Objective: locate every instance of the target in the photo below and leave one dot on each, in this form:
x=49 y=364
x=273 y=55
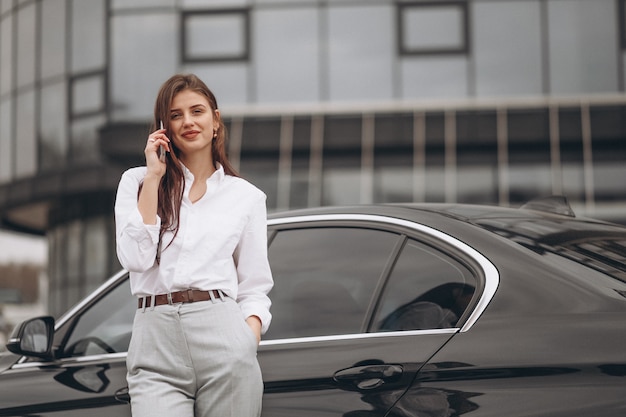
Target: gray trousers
x=195 y=359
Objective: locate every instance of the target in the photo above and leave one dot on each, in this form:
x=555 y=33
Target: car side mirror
x=33 y=338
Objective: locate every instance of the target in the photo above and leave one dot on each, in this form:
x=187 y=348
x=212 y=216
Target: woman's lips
x=190 y=134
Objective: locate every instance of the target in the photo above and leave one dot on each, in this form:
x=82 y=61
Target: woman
x=194 y=237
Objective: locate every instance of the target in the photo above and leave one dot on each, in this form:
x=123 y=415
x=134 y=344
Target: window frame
x=96 y=75
x=186 y=58
x=621 y=19
x=404 y=50
x=486 y=274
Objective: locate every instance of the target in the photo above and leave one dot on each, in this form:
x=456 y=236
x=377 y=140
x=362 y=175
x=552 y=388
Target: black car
x=391 y=310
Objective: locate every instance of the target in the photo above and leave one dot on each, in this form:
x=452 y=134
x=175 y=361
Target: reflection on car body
x=392 y=310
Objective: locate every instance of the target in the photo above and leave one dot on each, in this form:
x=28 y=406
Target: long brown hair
x=172 y=183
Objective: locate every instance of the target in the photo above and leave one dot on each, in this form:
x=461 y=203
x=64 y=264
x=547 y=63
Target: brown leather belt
x=186 y=296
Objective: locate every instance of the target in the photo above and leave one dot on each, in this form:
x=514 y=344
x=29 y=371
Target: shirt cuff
x=260 y=312
x=146 y=234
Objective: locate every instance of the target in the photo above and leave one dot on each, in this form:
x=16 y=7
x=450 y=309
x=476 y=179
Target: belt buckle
x=190 y=295
x=169 y=298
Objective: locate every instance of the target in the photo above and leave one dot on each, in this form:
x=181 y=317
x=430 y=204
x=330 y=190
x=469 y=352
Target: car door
x=89 y=376
x=343 y=341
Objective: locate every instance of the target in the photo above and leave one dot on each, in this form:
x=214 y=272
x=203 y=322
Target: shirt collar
x=218 y=175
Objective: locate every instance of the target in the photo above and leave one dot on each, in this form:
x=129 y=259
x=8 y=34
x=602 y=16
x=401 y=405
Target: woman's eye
x=174 y=116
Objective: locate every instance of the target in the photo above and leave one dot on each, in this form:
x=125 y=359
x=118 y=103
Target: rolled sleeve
x=136 y=242
x=253 y=269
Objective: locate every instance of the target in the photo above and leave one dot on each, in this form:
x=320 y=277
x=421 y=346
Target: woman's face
x=192 y=123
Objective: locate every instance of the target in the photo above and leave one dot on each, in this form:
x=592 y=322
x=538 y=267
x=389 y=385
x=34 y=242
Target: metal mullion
x=587 y=158
x=419 y=156
x=450 y=167
x=316 y=161
x=503 y=155
x=556 y=168
x=284 y=163
x=367 y=158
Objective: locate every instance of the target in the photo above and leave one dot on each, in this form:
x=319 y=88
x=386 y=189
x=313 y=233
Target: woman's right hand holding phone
x=156 y=164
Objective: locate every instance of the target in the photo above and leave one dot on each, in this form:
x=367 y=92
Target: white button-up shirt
x=221 y=243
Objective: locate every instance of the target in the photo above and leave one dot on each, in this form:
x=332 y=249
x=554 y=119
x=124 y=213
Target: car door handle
x=122 y=395
x=369 y=376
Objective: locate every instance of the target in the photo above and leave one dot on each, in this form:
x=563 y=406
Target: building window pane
x=432 y=28
x=26 y=45
x=608 y=130
x=393 y=158
x=342 y=181
x=53 y=30
x=6 y=55
x=341 y=175
x=393 y=180
x=53 y=126
x=114 y=262
x=288 y=42
x=138 y=68
x=26 y=158
x=87 y=95
x=609 y=181
x=434 y=180
x=88 y=35
x=477 y=157
x=476 y=183
x=84 y=145
x=571 y=149
x=96 y=252
x=300 y=163
x=359 y=58
x=5 y=5
x=507 y=51
x=529 y=154
x=215 y=35
x=6 y=140
x=57 y=240
x=622 y=23
x=259 y=158
x=74 y=265
x=583 y=40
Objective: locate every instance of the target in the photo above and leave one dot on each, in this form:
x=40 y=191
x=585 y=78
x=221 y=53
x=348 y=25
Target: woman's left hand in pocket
x=255 y=325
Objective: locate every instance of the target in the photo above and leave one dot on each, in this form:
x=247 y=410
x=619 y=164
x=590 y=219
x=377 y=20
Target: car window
x=427 y=289
x=325 y=278
x=105 y=327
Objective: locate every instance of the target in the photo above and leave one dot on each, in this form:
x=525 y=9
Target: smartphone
x=161 y=147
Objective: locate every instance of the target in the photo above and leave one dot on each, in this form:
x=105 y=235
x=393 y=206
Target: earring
x=215 y=133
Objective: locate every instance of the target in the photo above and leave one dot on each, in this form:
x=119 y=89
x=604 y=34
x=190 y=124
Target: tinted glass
x=287 y=41
x=26 y=41
x=88 y=31
x=106 y=326
x=427 y=289
x=52 y=35
x=325 y=279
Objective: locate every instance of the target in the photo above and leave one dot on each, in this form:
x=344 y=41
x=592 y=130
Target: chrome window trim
x=492 y=277
x=74 y=361
x=354 y=336
x=107 y=357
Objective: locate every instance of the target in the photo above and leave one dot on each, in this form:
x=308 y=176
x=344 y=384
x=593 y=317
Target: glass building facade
x=326 y=102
